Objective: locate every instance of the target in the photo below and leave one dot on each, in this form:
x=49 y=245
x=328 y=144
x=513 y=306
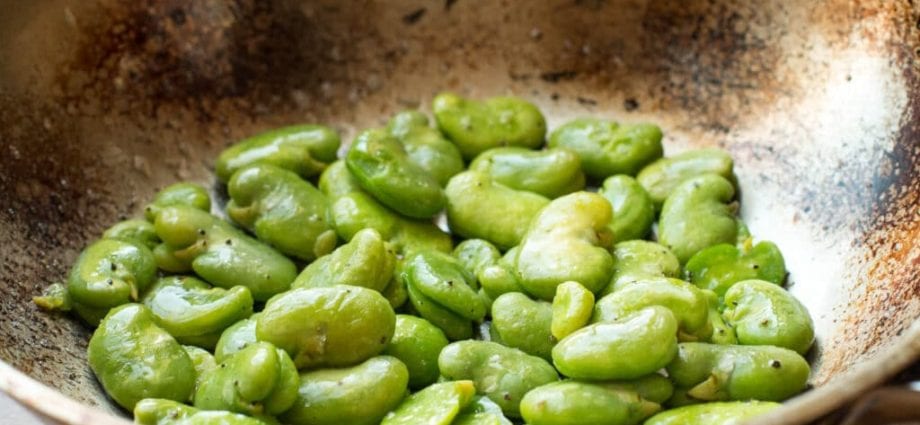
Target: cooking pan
x=104 y=102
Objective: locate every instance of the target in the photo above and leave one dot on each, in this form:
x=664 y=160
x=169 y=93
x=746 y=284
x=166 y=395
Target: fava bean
x=583 y=403
x=720 y=266
x=661 y=177
x=697 y=215
x=763 y=313
x=501 y=373
x=524 y=324
x=195 y=313
x=442 y=278
x=633 y=211
x=353 y=210
x=607 y=148
x=572 y=308
x=365 y=261
x=331 y=326
x=134 y=359
x=425 y=146
x=716 y=413
x=437 y=404
x=567 y=240
x=712 y=372
x=478 y=207
x=417 y=343
x=259 y=379
x=154 y=411
x=180 y=194
x=282 y=210
x=358 y=395
x=476 y=126
x=304 y=149
x=236 y=337
x=203 y=362
x=223 y=255
x=107 y=274
x=382 y=167
x=138 y=231
x=551 y=172
x=634 y=346
x=688 y=303
x=638 y=260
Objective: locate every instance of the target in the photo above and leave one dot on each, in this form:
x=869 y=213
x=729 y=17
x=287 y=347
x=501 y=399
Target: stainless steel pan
x=819 y=101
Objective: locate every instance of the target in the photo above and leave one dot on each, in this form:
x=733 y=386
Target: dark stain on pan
x=892 y=240
x=49 y=200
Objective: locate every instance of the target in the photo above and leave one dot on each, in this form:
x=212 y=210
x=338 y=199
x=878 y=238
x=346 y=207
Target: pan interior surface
x=104 y=102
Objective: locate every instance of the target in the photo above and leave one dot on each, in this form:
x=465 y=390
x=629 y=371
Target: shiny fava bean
x=203 y=362
x=134 y=359
x=720 y=266
x=282 y=210
x=567 y=240
x=638 y=260
x=153 y=411
x=382 y=167
x=550 y=172
x=661 y=177
x=607 y=148
x=396 y=292
x=187 y=194
x=712 y=372
x=476 y=126
x=236 y=337
x=441 y=278
x=109 y=273
x=167 y=261
x=633 y=211
x=454 y=326
x=426 y=146
x=359 y=395
x=352 y=210
x=195 y=313
x=697 y=215
x=501 y=277
x=501 y=373
x=654 y=387
x=524 y=324
x=365 y=261
x=722 y=333
x=333 y=326
x=572 y=308
x=636 y=345
x=688 y=303
x=259 y=379
x=716 y=413
x=482 y=411
x=417 y=343
x=476 y=254
x=303 y=149
x=438 y=404
x=763 y=313
x=478 y=207
x=223 y=255
x=140 y=232
x=583 y=403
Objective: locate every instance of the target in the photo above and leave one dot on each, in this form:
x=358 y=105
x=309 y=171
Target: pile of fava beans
x=330 y=295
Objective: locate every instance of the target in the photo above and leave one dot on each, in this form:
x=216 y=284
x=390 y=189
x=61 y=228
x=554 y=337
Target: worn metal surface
x=103 y=102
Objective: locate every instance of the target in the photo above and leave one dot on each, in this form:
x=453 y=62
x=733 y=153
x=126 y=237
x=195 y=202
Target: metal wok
x=103 y=102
